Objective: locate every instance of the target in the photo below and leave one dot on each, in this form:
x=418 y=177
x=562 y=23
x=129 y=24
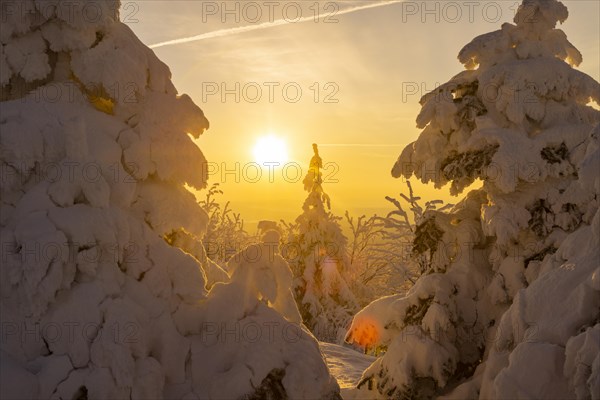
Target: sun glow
x=364 y=332
x=270 y=149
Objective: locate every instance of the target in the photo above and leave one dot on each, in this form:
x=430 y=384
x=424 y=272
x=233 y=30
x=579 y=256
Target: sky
x=346 y=75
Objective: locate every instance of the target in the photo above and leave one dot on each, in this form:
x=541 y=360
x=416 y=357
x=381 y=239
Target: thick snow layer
x=251 y=327
x=548 y=324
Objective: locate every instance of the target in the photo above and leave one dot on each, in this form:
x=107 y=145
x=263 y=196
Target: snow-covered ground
x=346 y=365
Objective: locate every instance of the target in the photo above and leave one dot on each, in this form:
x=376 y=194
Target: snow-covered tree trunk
x=510 y=307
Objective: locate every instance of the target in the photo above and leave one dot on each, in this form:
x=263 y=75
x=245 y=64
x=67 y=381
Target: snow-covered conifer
x=510 y=306
x=316 y=250
x=96 y=299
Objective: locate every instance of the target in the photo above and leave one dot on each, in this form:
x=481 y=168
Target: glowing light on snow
x=270 y=149
x=364 y=333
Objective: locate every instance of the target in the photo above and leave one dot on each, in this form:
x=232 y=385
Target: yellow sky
x=360 y=79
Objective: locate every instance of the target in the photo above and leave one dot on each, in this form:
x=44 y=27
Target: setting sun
x=270 y=149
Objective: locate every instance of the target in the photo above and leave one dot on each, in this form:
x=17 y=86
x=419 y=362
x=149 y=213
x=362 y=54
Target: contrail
x=265 y=25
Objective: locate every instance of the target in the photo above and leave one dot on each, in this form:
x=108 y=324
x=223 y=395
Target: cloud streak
x=265 y=25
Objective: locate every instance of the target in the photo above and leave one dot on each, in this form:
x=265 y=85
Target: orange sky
x=360 y=79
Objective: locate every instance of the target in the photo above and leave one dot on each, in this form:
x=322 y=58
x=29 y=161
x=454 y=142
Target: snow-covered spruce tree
x=95 y=151
x=511 y=306
x=316 y=251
